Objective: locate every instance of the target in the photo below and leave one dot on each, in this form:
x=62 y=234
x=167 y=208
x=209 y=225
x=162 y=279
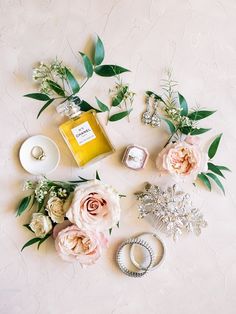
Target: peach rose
x=40 y=224
x=57 y=208
x=95 y=206
x=74 y=244
x=181 y=159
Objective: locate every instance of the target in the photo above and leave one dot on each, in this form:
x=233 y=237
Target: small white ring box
x=135 y=157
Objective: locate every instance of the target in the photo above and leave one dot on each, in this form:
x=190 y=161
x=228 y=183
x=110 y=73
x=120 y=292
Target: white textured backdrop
x=197 y=39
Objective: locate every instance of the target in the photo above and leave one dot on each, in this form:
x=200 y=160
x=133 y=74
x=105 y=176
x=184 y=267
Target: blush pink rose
x=181 y=159
x=83 y=246
x=95 y=206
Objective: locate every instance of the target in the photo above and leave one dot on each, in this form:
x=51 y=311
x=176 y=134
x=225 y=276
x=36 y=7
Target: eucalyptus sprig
x=58 y=83
x=121 y=98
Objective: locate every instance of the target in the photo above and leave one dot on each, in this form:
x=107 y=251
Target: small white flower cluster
x=41 y=190
x=62 y=193
x=52 y=193
x=45 y=72
x=28 y=185
x=174 y=113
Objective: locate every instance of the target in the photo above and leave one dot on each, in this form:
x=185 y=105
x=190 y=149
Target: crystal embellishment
x=170 y=210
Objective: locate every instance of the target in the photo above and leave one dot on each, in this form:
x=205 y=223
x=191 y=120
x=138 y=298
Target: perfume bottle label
x=83 y=133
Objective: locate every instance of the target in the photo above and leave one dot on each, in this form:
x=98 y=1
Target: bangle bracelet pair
x=151 y=262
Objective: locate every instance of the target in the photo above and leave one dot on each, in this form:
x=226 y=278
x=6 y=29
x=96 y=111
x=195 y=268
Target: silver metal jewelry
x=158 y=256
x=139 y=273
x=170 y=210
x=147 y=116
x=155 y=121
x=38 y=153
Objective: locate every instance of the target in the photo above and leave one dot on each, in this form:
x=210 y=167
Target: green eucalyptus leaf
x=150 y=93
x=183 y=105
x=214 y=146
x=56 y=88
x=198 y=131
x=215 y=169
x=223 y=168
x=101 y=105
x=79 y=181
x=43 y=239
x=97 y=176
x=109 y=70
x=120 y=96
x=75 y=182
x=200 y=114
x=205 y=180
x=40 y=206
x=38 y=96
x=48 y=103
x=72 y=81
x=31 y=242
x=87 y=64
x=84 y=106
x=188 y=130
x=217 y=181
x=170 y=125
x=28 y=227
x=120 y=115
x=110 y=231
x=83 y=179
x=26 y=203
x=99 y=52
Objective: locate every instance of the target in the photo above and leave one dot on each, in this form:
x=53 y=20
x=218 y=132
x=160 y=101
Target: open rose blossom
x=57 y=208
x=182 y=159
x=95 y=206
x=83 y=246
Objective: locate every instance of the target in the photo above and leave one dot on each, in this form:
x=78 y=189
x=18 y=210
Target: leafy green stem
x=84 y=82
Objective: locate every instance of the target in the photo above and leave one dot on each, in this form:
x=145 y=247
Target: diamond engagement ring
x=38 y=153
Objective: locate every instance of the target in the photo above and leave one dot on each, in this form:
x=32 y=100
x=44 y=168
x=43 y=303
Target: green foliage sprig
x=58 y=83
x=179 y=118
x=215 y=172
x=182 y=120
x=121 y=98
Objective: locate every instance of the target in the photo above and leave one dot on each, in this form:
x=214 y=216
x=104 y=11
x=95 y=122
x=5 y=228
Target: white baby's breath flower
x=41 y=190
x=28 y=185
x=40 y=224
x=62 y=192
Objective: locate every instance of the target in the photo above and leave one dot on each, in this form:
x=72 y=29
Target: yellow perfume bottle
x=84 y=135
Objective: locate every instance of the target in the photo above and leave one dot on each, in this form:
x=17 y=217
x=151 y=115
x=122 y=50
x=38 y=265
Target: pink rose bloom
x=95 y=206
x=181 y=159
x=74 y=244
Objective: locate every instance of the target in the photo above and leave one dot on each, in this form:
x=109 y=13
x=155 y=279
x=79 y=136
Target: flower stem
x=171 y=137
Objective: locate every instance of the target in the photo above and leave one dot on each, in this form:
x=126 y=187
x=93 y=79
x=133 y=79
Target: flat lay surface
x=196 y=40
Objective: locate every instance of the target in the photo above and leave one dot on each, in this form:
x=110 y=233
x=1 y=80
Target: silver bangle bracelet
x=140 y=272
x=157 y=258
